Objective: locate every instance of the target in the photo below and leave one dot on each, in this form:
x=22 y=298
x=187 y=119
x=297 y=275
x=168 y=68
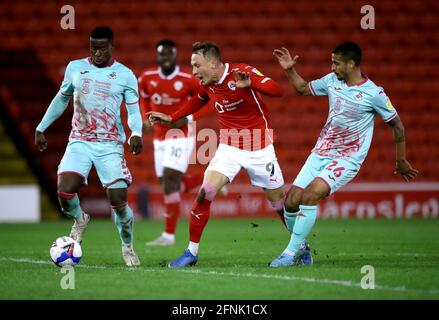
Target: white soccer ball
x=65 y=252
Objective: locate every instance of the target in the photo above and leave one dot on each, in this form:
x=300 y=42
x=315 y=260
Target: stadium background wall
x=399 y=54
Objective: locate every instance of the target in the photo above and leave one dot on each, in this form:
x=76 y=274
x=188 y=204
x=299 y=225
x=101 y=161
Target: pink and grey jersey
x=98 y=94
x=352 y=109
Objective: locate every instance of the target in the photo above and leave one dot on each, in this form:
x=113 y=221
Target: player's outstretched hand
x=284 y=58
x=158 y=117
x=40 y=141
x=147 y=125
x=406 y=171
x=136 y=144
x=242 y=79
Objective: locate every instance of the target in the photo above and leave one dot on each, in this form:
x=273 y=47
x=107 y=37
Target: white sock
x=193 y=247
x=289 y=252
x=168 y=236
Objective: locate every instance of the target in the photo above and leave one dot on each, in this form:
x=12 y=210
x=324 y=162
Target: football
x=65 y=252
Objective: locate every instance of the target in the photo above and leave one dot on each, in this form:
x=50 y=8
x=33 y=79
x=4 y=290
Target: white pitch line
x=387 y=254
x=345 y=283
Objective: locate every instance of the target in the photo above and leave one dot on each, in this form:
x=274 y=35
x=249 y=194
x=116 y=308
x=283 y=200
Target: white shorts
x=261 y=165
x=173 y=154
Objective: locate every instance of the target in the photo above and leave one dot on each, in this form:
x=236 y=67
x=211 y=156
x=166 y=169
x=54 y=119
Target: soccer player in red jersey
x=166 y=88
x=246 y=139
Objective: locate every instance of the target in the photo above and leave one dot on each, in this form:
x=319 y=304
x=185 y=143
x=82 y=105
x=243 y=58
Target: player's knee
x=311 y=197
x=171 y=185
x=69 y=183
x=207 y=191
x=171 y=181
x=118 y=200
x=291 y=206
x=66 y=200
x=69 y=188
x=293 y=200
x=119 y=208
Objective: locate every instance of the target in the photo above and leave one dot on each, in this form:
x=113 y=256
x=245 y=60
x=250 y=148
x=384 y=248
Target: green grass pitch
x=232 y=263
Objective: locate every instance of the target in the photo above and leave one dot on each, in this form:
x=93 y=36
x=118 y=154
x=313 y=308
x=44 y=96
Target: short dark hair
x=349 y=51
x=102 y=32
x=207 y=49
x=166 y=42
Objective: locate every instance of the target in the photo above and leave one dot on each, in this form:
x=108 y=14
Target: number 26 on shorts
x=336 y=172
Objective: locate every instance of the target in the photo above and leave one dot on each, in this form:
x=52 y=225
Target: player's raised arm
x=402 y=166
x=287 y=63
x=55 y=110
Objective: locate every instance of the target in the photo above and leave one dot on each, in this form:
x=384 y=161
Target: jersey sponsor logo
x=178 y=85
x=164 y=99
x=84 y=72
x=85 y=87
x=389 y=105
x=219 y=107
x=232 y=85
x=337 y=89
x=259 y=73
x=112 y=75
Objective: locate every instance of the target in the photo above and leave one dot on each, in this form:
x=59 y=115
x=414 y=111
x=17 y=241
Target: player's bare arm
x=287 y=63
x=158 y=117
x=179 y=123
x=402 y=166
x=147 y=124
x=40 y=141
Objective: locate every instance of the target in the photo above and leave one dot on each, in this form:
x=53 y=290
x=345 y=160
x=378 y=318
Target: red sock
x=190 y=182
x=172 y=206
x=198 y=219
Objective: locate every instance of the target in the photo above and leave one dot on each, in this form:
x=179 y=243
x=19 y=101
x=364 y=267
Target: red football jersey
x=166 y=94
x=243 y=116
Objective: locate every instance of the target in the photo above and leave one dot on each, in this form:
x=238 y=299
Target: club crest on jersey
x=112 y=75
x=232 y=85
x=178 y=85
x=358 y=96
x=85 y=87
